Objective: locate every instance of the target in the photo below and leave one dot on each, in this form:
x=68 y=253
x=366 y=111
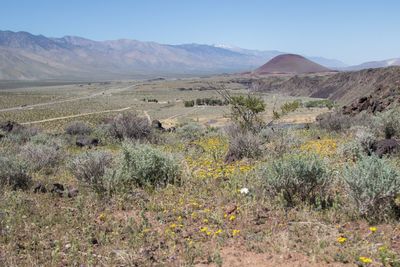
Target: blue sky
x=353 y=31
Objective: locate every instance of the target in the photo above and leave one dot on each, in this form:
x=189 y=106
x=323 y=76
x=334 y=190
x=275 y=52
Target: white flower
x=244 y=190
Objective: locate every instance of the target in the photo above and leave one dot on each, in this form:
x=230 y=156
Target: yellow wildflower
x=235 y=232
x=373 y=229
x=205 y=221
x=203 y=229
x=219 y=231
x=365 y=260
x=102 y=217
x=173 y=226
x=341 y=239
x=232 y=217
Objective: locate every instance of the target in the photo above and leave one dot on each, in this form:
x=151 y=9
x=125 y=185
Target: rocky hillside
x=343 y=87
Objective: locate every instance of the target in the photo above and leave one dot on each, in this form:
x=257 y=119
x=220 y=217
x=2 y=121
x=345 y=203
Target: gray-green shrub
x=372 y=184
x=301 y=178
x=90 y=167
x=142 y=165
x=41 y=156
x=190 y=131
x=14 y=173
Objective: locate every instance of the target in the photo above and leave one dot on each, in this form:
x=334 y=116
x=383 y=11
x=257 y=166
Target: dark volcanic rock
x=9 y=126
x=58 y=189
x=382 y=99
x=82 y=141
x=385 y=147
x=156 y=124
x=73 y=192
x=39 y=188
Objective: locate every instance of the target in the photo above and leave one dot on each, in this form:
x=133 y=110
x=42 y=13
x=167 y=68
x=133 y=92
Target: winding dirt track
x=105 y=92
x=76 y=116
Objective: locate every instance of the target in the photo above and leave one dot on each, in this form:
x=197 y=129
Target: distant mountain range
x=24 y=56
x=376 y=64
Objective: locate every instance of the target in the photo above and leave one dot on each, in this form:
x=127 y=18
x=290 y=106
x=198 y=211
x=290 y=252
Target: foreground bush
x=13 y=173
x=144 y=166
x=297 y=178
x=129 y=126
x=40 y=156
x=242 y=144
x=78 y=128
x=372 y=185
x=90 y=167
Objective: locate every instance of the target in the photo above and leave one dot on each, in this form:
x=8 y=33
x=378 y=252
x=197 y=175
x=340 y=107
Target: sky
x=353 y=31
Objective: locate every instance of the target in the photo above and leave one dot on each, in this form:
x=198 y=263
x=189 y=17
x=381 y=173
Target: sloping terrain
x=343 y=87
x=290 y=64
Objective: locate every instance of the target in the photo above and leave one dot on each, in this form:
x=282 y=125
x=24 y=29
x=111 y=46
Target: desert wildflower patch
x=322 y=147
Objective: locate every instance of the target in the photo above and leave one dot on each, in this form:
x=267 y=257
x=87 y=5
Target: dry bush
x=130 y=126
x=78 y=128
x=242 y=144
x=90 y=167
x=41 y=156
x=334 y=121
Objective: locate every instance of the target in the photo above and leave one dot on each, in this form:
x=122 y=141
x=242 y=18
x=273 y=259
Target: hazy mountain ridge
x=28 y=56
x=25 y=56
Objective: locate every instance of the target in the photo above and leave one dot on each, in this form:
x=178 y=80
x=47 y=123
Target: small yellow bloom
x=102 y=217
x=232 y=217
x=225 y=215
x=341 y=239
x=203 y=229
x=205 y=221
x=235 y=232
x=365 y=260
x=208 y=233
x=373 y=229
x=219 y=231
x=173 y=226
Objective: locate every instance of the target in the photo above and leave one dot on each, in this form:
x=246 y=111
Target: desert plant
x=13 y=173
x=78 y=128
x=290 y=106
x=242 y=144
x=189 y=103
x=372 y=184
x=334 y=121
x=89 y=168
x=190 y=131
x=129 y=126
x=40 y=156
x=245 y=110
x=298 y=179
x=142 y=165
x=283 y=141
x=390 y=123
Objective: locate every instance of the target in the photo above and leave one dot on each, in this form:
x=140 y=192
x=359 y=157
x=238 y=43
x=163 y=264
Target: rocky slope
x=343 y=87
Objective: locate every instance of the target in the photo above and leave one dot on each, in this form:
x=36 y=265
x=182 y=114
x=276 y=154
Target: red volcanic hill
x=290 y=64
